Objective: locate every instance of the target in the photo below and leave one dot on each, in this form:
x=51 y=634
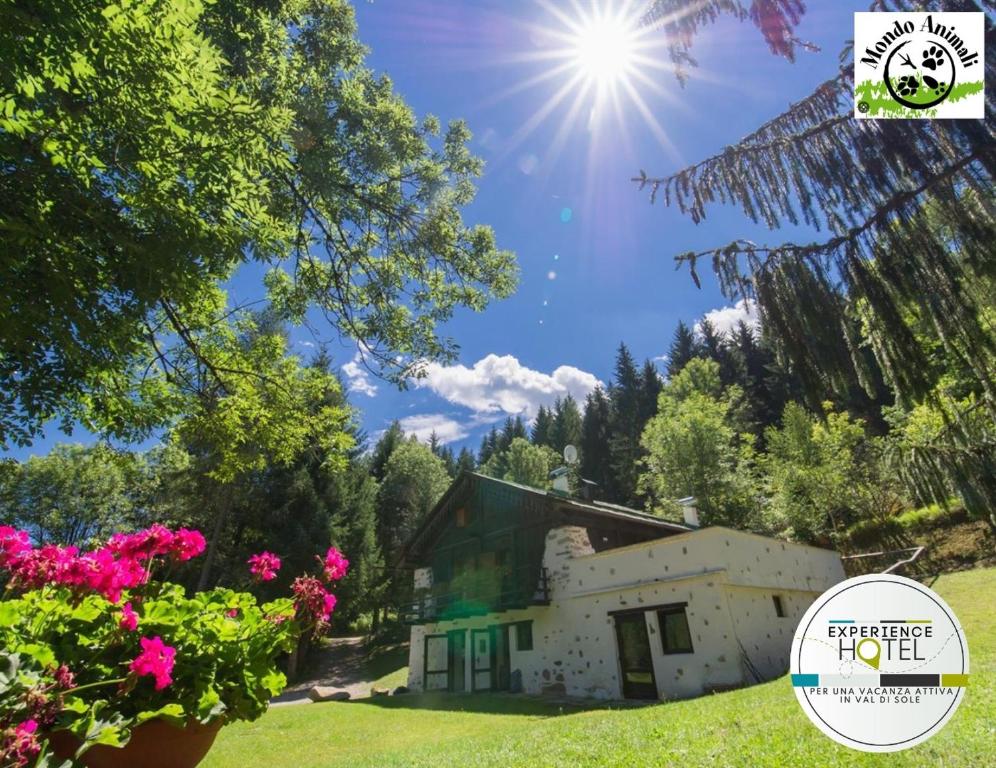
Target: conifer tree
x=465 y=461
x=542 y=427
x=596 y=457
x=566 y=428
x=624 y=441
x=683 y=348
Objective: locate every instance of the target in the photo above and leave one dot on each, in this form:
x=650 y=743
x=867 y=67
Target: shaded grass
x=758 y=726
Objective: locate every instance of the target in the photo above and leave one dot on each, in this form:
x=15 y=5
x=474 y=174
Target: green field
x=758 y=726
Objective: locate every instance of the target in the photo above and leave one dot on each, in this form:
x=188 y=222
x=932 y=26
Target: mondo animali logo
x=879 y=663
x=919 y=65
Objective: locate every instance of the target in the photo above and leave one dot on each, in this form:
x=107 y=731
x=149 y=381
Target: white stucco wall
x=727 y=578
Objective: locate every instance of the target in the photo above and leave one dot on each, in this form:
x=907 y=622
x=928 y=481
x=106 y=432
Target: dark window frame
x=779 y=606
x=674 y=610
x=520 y=627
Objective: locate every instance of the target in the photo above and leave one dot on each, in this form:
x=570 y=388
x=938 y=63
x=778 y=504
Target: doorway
x=457 y=652
x=501 y=662
x=635 y=659
x=480 y=657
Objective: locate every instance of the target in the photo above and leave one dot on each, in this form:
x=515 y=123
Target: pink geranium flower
x=13 y=544
x=129 y=619
x=188 y=544
x=156 y=660
x=264 y=566
x=311 y=600
x=335 y=564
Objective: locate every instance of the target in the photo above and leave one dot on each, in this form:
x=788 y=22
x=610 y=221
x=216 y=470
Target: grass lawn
x=758 y=726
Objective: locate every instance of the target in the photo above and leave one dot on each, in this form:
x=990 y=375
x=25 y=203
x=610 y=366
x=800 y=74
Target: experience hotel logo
x=926 y=65
x=879 y=663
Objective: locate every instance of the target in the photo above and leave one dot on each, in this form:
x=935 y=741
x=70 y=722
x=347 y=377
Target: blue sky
x=596 y=258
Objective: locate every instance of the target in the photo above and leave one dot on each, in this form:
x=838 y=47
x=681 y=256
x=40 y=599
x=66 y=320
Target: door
x=501 y=661
x=457 y=640
x=635 y=660
x=480 y=657
x=436 y=662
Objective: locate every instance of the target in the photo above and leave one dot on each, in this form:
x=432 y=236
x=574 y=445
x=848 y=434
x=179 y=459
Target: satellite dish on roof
x=570 y=454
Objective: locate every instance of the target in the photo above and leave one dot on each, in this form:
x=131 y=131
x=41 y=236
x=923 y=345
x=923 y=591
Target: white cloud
x=726 y=319
x=423 y=425
x=502 y=385
x=358 y=378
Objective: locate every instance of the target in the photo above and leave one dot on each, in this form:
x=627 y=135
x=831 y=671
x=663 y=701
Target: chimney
x=689 y=511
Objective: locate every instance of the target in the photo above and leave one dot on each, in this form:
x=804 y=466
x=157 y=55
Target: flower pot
x=154 y=744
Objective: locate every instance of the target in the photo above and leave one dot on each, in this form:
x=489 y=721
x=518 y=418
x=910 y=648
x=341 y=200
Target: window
x=779 y=608
x=675 y=637
x=524 y=636
x=461 y=518
x=436 y=663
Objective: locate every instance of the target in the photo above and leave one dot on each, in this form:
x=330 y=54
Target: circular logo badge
x=920 y=74
x=879 y=663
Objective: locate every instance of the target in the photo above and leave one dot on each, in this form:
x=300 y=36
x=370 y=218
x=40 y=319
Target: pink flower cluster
x=156 y=660
x=109 y=570
x=19 y=746
x=335 y=564
x=312 y=601
x=264 y=566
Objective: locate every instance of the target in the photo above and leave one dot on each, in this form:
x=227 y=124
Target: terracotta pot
x=155 y=744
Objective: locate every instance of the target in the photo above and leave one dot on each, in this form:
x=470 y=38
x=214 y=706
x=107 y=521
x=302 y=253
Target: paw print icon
x=907 y=85
x=933 y=58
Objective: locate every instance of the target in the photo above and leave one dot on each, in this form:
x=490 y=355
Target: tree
x=692 y=450
x=684 y=347
x=542 y=427
x=566 y=427
x=392 y=437
x=524 y=463
x=594 y=447
x=624 y=441
x=202 y=136
x=465 y=461
x=414 y=480
x=819 y=474
x=827 y=303
x=73 y=495
x=490 y=445
x=352 y=503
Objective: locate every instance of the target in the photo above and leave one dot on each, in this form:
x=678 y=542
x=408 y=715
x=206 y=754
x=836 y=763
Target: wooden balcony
x=478 y=595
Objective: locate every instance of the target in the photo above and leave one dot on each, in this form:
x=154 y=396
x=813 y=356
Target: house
x=521 y=589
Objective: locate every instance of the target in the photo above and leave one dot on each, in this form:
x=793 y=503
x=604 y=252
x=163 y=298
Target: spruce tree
x=683 y=348
x=594 y=446
x=624 y=441
x=465 y=461
x=542 y=427
x=566 y=428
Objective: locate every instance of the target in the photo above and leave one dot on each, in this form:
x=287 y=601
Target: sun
x=602 y=60
x=605 y=49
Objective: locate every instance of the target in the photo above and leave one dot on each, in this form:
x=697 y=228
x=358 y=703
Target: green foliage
x=414 y=479
x=692 y=449
x=73 y=494
x=152 y=147
x=226 y=655
x=821 y=475
x=524 y=463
